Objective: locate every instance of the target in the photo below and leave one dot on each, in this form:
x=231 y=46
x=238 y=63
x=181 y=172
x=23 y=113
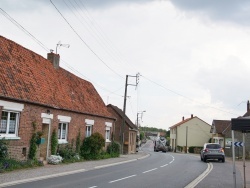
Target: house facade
x=226 y=134
x=189 y=132
x=217 y=129
x=37 y=95
x=129 y=130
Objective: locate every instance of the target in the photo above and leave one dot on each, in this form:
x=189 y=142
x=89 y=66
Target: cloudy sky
x=192 y=55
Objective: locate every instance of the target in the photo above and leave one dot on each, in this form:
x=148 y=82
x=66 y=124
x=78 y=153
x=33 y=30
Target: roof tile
x=28 y=76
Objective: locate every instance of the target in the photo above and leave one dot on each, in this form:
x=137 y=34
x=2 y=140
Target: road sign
x=240 y=124
x=238 y=144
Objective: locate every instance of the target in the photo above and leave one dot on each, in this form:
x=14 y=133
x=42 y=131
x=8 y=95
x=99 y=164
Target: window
x=62 y=132
x=63 y=128
x=108 y=131
x=107 y=135
x=88 y=131
x=89 y=127
x=9 y=123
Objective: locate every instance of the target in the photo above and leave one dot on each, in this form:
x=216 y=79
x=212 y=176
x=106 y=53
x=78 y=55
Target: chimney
x=192 y=116
x=183 y=118
x=248 y=106
x=54 y=59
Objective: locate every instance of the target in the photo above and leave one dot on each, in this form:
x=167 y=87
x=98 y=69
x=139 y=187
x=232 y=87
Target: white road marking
x=122 y=178
x=164 y=165
x=149 y=170
x=201 y=177
x=93 y=187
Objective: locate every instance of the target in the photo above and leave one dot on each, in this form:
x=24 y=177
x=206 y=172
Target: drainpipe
x=48 y=141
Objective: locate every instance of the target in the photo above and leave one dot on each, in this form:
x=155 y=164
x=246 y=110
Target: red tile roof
x=184 y=121
x=180 y=123
x=27 y=76
x=119 y=112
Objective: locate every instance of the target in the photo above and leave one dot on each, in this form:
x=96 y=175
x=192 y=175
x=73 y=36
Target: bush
x=92 y=146
x=78 y=142
x=54 y=142
x=33 y=147
x=114 y=149
x=66 y=152
x=194 y=149
x=3 y=149
x=180 y=148
x=11 y=164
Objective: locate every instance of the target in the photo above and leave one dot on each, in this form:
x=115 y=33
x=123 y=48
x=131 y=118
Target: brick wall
x=19 y=149
x=117 y=135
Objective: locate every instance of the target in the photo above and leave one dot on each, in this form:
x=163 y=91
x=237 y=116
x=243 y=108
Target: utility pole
x=124 y=107
x=186 y=139
x=137 y=119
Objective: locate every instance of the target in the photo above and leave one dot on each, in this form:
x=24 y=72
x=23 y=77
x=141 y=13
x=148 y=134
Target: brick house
x=217 y=129
x=130 y=130
x=36 y=94
x=238 y=137
x=192 y=131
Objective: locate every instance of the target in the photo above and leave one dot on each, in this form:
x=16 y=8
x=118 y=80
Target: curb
x=7 y=184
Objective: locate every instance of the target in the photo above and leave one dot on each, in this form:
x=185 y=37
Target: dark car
x=212 y=151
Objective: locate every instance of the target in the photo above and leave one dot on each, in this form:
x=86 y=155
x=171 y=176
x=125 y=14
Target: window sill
x=9 y=138
x=62 y=141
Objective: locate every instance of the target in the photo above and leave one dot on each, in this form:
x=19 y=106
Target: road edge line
x=200 y=177
x=7 y=184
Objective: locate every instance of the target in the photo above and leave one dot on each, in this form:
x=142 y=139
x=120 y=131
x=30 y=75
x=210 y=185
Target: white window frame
x=108 y=131
x=62 y=140
x=89 y=127
x=7 y=134
x=88 y=131
x=11 y=107
x=63 y=120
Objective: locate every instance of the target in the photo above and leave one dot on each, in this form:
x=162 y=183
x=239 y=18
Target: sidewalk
x=239 y=166
x=50 y=171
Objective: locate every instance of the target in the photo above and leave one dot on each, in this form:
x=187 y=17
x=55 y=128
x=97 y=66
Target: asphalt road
x=159 y=170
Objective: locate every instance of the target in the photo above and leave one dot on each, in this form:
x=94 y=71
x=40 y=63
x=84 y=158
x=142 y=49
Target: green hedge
x=194 y=149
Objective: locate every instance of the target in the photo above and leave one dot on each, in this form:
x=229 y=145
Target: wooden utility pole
x=124 y=107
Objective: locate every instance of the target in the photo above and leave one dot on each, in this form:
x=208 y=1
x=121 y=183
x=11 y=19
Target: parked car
x=212 y=151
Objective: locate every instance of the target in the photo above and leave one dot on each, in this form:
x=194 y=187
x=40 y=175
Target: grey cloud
x=223 y=10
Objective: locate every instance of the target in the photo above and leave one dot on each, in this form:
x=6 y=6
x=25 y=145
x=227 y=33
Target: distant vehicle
x=212 y=151
x=160 y=144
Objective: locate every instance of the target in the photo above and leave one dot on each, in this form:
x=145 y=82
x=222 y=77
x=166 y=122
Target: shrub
x=194 y=149
x=66 y=151
x=33 y=146
x=114 y=149
x=179 y=148
x=54 y=142
x=11 y=164
x=3 y=149
x=92 y=146
x=78 y=142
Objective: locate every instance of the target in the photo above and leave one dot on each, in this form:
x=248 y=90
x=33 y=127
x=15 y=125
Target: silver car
x=212 y=151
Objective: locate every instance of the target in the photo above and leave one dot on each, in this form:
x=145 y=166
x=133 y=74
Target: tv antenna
x=59 y=44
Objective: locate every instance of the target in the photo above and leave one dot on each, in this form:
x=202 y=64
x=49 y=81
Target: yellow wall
x=198 y=133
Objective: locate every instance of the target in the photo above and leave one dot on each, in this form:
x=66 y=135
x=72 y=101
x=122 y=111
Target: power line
x=23 y=29
x=47 y=50
x=188 y=97
x=84 y=41
x=103 y=36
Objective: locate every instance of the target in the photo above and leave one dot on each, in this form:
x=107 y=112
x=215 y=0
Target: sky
x=192 y=55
